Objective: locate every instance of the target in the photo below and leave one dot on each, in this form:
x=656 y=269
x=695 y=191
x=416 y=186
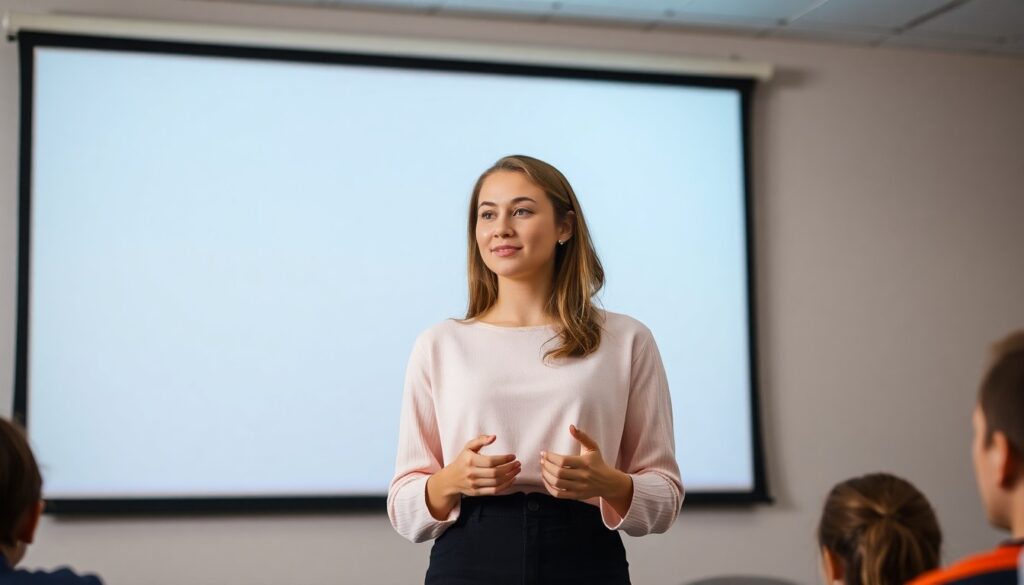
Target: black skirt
x=527 y=539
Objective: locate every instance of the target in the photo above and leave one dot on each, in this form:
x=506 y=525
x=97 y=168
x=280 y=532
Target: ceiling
x=974 y=26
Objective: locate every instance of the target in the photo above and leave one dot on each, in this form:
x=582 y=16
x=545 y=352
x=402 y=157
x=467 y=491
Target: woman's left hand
x=584 y=476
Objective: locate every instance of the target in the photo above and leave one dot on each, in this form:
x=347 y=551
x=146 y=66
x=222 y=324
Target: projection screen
x=225 y=254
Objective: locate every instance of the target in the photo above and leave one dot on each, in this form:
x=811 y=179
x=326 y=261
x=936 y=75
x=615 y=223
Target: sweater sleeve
x=647 y=451
x=419 y=455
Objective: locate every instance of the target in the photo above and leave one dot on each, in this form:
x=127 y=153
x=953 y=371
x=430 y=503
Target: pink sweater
x=469 y=379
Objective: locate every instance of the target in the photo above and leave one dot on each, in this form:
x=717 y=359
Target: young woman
x=877 y=530
x=536 y=428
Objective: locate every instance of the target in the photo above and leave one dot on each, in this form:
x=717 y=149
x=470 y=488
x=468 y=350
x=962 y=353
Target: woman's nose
x=503 y=226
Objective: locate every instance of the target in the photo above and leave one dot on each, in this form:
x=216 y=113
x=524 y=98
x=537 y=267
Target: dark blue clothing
x=527 y=539
x=12 y=576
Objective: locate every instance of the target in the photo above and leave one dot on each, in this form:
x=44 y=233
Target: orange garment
x=996 y=567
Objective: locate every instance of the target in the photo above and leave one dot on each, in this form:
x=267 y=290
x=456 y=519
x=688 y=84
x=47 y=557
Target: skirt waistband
x=521 y=504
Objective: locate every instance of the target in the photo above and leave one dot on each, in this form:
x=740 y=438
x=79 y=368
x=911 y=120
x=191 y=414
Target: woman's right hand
x=470 y=474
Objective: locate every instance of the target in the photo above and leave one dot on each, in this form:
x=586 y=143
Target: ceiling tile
x=647 y=11
x=515 y=7
x=719 y=20
x=945 y=42
x=773 y=10
x=710 y=27
x=979 y=17
x=854 y=35
x=890 y=14
x=1012 y=46
x=987 y=26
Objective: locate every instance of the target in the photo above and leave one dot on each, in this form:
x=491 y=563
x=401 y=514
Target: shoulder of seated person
x=62 y=576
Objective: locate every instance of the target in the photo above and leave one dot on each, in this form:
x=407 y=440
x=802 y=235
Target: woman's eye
x=490 y=214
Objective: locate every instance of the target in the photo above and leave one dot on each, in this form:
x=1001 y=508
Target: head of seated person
x=877 y=529
x=998 y=446
x=20 y=493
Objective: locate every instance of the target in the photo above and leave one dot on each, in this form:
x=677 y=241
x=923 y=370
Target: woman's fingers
x=586 y=440
x=480 y=442
x=562 y=466
x=492 y=472
x=504 y=486
x=560 y=483
x=571 y=461
x=562 y=472
x=556 y=491
x=491 y=491
x=479 y=460
x=496 y=481
x=553 y=491
x=478 y=474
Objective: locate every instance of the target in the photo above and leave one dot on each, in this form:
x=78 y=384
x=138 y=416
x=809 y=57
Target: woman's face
x=516 y=229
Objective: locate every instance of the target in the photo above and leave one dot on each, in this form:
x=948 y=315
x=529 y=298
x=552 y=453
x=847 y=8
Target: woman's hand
x=586 y=476
x=471 y=474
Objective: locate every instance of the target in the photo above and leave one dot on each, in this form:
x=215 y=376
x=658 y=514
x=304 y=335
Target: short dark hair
x=1001 y=395
x=20 y=483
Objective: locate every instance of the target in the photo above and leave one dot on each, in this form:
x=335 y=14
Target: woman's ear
x=832 y=567
x=1004 y=460
x=30 y=521
x=565 y=230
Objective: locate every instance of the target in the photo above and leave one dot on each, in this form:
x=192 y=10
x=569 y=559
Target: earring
x=561 y=242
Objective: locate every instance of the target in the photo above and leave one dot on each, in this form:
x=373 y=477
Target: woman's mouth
x=504 y=251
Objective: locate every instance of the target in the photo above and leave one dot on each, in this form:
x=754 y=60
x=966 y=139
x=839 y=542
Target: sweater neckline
x=508 y=327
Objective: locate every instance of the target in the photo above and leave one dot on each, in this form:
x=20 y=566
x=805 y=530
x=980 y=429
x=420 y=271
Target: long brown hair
x=578 y=274
x=882 y=529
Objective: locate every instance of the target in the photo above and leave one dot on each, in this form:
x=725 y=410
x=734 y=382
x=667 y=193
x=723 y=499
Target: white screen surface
x=230 y=259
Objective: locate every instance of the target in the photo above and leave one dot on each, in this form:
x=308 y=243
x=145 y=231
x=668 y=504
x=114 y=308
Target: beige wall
x=889 y=192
